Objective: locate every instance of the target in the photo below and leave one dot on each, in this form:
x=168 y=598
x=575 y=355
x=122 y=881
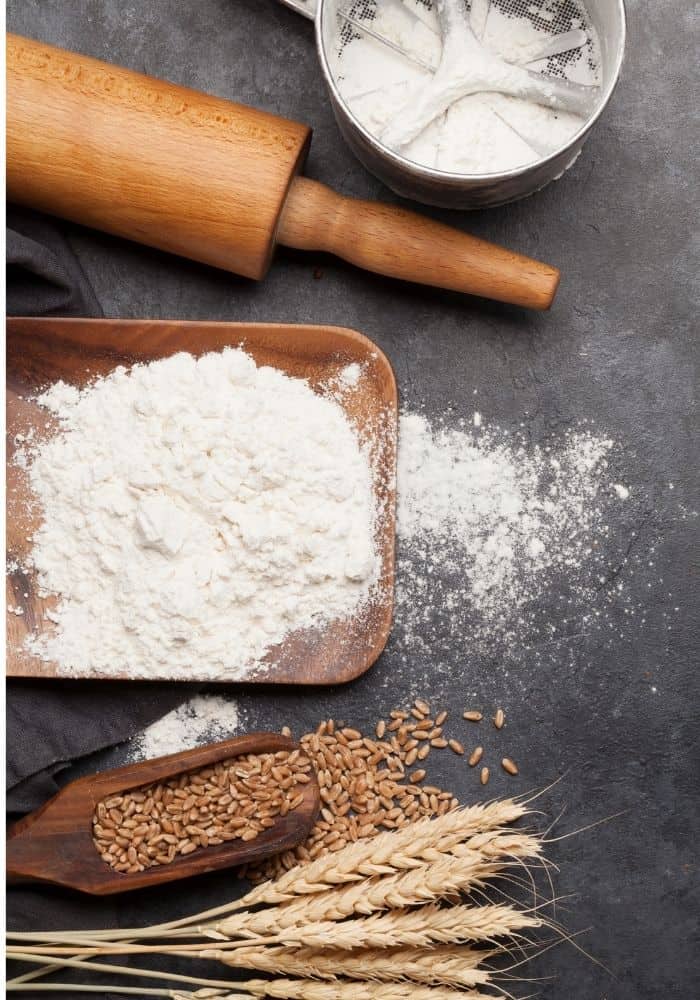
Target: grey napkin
x=44 y=277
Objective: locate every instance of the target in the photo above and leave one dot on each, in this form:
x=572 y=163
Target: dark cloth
x=44 y=277
x=51 y=723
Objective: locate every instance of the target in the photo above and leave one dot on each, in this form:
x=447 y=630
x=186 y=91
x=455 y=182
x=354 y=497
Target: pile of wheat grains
x=235 y=799
x=372 y=784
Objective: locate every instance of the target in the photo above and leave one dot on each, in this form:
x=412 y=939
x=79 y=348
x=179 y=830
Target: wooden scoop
x=216 y=181
x=54 y=844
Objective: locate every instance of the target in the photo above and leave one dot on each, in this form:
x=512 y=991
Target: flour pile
x=489 y=528
x=203 y=719
x=197 y=511
x=485 y=131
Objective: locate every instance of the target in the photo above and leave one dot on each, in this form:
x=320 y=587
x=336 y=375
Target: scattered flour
x=203 y=719
x=489 y=528
x=484 y=132
x=196 y=511
x=350 y=375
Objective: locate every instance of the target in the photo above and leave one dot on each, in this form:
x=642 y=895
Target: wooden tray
x=41 y=351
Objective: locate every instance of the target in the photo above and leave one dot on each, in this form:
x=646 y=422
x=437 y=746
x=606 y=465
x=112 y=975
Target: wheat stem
x=125 y=970
x=81 y=988
x=418 y=928
x=423 y=841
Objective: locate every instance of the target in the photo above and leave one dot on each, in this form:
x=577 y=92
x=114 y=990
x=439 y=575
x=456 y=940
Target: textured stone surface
x=613 y=711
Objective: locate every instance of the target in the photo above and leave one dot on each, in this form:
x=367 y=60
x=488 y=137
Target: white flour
x=488 y=528
x=195 y=513
x=491 y=532
x=203 y=719
x=484 y=132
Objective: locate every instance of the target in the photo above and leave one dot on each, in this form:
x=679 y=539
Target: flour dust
x=498 y=540
x=201 y=720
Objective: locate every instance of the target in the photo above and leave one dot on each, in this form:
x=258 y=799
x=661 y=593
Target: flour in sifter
x=483 y=132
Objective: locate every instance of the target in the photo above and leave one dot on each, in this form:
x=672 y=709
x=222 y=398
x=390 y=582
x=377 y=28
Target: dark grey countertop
x=612 y=710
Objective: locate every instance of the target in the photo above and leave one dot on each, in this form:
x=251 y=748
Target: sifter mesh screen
x=549 y=18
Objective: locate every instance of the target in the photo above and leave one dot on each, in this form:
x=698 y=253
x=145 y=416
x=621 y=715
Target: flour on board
x=197 y=511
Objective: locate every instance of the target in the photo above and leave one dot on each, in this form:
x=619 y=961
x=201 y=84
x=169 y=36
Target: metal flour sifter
x=571 y=64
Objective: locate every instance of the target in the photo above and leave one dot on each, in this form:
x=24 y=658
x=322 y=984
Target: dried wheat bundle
x=385 y=918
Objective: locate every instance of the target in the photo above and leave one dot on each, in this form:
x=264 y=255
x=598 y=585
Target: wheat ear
x=416 y=928
x=439 y=966
x=303 y=989
x=411 y=888
x=414 y=887
x=387 y=853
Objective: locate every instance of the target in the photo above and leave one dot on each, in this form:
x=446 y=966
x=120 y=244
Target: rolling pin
x=216 y=181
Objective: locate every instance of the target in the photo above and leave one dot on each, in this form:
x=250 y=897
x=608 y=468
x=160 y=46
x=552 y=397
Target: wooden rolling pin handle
x=391 y=241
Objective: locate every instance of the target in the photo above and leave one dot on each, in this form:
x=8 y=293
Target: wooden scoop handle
x=389 y=240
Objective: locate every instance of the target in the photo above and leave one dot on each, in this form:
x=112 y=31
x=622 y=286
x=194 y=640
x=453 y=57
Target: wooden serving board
x=41 y=351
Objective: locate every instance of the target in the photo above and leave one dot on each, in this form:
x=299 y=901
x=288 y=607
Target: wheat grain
x=367 y=777
x=234 y=799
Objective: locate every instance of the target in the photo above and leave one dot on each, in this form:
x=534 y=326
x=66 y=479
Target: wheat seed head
x=388 y=852
x=438 y=966
x=291 y=989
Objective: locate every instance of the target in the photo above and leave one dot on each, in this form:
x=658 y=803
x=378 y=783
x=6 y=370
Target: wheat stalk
x=303 y=989
x=442 y=965
x=387 y=853
x=360 y=924
x=414 y=887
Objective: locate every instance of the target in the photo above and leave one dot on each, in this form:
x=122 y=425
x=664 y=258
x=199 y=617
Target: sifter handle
x=391 y=241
